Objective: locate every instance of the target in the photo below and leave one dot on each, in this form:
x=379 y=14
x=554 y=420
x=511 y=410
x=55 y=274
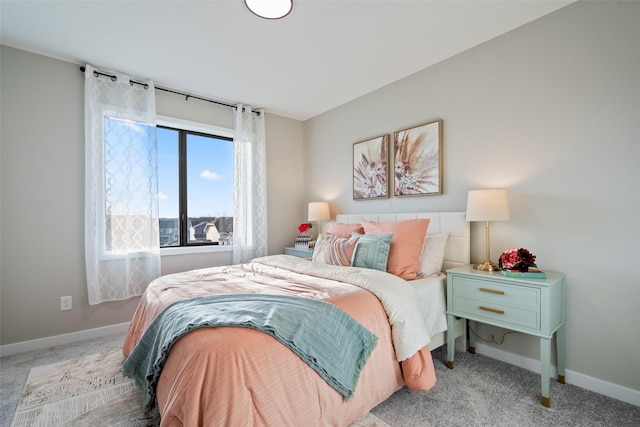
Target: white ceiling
x=322 y=55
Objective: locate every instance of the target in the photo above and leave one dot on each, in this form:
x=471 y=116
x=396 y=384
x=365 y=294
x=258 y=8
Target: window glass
x=168 y=187
x=129 y=176
x=195 y=174
x=209 y=187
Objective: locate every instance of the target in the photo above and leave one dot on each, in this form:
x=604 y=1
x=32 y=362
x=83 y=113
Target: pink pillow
x=406 y=244
x=339 y=229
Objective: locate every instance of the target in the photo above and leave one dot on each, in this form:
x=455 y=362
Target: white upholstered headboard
x=458 y=249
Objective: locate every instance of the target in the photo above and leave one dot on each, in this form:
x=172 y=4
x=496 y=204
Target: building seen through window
x=206 y=230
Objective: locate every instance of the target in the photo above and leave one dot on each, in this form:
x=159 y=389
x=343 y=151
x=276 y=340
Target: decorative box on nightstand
x=299 y=252
x=531 y=306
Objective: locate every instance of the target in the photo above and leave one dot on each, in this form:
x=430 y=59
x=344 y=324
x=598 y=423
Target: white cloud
x=162 y=196
x=207 y=174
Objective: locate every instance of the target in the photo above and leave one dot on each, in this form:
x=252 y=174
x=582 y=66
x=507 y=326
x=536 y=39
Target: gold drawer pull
x=492 y=291
x=493 y=310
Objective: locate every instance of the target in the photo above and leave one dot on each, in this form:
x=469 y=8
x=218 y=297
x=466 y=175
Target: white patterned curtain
x=122 y=248
x=250 y=186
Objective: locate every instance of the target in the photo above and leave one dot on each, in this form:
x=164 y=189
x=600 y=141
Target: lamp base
x=486 y=266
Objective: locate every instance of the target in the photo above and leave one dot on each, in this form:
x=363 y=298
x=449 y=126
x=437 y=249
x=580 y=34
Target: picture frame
x=371 y=168
x=417 y=161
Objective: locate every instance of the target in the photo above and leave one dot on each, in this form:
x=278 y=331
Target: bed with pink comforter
x=230 y=376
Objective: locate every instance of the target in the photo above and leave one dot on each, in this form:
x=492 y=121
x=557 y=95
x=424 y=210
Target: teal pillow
x=372 y=251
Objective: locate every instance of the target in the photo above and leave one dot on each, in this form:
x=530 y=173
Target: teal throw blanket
x=330 y=341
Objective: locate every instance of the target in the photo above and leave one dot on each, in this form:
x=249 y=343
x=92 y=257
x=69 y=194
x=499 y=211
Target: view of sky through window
x=209 y=175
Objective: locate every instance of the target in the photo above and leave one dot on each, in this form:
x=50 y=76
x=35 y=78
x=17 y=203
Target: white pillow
x=433 y=254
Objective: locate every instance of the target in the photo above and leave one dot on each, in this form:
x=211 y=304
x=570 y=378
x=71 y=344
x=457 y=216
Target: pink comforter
x=242 y=377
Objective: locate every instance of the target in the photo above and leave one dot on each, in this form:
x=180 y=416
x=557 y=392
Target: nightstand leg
x=472 y=336
x=451 y=339
x=560 y=345
x=545 y=373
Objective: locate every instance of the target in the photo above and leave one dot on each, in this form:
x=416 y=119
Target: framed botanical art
x=417 y=161
x=371 y=168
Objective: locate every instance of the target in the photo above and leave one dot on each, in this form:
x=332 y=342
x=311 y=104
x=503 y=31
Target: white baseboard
x=41 y=343
x=581 y=380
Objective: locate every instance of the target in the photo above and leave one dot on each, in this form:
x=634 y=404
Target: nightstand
x=299 y=252
x=531 y=306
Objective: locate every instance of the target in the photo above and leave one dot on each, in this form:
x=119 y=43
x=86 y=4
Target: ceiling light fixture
x=270 y=9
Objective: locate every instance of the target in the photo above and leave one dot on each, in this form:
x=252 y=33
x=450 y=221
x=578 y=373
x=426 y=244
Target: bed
x=233 y=374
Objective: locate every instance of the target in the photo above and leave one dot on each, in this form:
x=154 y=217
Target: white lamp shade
x=318 y=211
x=487 y=205
x=270 y=9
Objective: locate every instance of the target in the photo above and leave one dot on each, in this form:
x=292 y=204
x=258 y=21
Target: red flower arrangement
x=304 y=227
x=517 y=259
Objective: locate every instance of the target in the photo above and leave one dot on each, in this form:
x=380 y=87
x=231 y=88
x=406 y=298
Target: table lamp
x=318 y=211
x=487 y=205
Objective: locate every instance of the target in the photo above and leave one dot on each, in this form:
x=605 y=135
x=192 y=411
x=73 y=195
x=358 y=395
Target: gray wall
x=42 y=189
x=550 y=111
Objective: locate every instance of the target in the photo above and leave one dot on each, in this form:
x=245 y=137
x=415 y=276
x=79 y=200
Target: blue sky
x=209 y=178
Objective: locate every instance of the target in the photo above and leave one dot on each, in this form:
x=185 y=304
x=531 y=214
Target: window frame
x=206 y=130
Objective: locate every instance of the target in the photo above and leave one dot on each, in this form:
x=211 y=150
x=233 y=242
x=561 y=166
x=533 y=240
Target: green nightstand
x=299 y=252
x=531 y=306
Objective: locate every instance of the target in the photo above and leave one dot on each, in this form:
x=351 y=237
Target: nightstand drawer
x=498 y=293
x=506 y=315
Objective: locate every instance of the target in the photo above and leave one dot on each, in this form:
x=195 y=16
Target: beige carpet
x=91 y=391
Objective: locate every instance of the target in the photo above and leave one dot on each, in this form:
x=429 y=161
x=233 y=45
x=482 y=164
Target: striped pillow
x=372 y=251
x=334 y=250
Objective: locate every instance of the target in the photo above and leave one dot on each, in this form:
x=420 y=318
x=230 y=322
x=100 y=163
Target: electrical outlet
x=65 y=303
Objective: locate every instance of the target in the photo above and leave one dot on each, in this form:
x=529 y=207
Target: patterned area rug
x=91 y=391
x=86 y=391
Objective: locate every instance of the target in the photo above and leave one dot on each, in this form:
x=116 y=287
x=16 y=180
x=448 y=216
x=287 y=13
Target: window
x=195 y=187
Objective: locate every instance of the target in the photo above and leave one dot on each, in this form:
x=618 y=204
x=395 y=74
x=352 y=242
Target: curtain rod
x=186 y=95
